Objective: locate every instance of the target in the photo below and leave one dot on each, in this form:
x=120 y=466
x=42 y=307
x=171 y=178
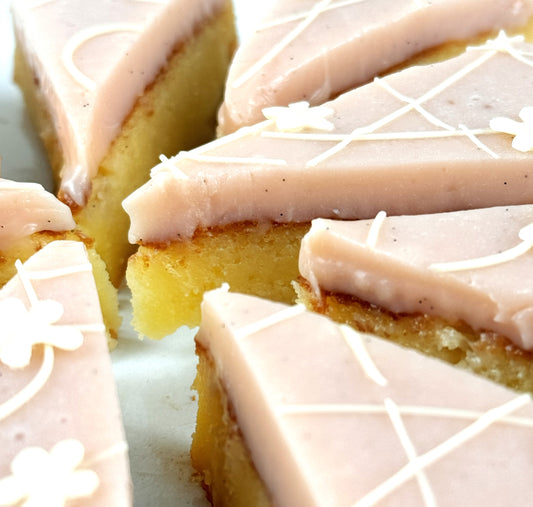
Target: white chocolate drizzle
x=472 y=136
x=36 y=326
x=170 y=164
x=352 y=339
x=115 y=450
x=382 y=136
x=504 y=44
x=367 y=133
x=375 y=227
x=525 y=234
x=304 y=15
x=9 y=407
x=233 y=160
x=83 y=36
x=271 y=320
x=412 y=104
x=310 y=17
x=398 y=425
x=415 y=468
x=356 y=344
x=49 y=274
x=405 y=410
x=172 y=167
x=422 y=461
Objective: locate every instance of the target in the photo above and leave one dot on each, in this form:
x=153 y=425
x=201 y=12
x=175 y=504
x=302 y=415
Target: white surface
x=153 y=378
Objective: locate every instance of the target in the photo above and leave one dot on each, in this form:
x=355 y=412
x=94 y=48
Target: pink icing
x=313 y=50
x=399 y=271
x=93 y=59
x=26 y=208
x=418 y=141
x=334 y=417
x=77 y=400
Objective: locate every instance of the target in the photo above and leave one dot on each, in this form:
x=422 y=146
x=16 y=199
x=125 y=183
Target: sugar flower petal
x=299 y=116
x=24 y=328
x=523 y=131
x=48 y=478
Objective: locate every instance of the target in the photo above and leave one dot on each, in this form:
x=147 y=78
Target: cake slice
x=296 y=410
x=314 y=50
x=61 y=433
x=113 y=84
x=422 y=140
x=456 y=285
x=30 y=218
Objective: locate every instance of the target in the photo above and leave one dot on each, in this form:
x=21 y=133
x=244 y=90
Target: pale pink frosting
x=418 y=141
x=312 y=50
x=332 y=417
x=77 y=399
x=26 y=208
x=397 y=271
x=93 y=60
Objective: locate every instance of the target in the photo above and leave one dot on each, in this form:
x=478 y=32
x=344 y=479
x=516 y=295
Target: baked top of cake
x=26 y=208
x=473 y=266
x=419 y=141
x=334 y=417
x=92 y=61
x=61 y=432
x=313 y=50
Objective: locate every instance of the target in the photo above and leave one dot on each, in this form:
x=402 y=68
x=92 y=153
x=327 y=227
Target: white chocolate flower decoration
x=299 y=116
x=41 y=478
x=23 y=328
x=523 y=131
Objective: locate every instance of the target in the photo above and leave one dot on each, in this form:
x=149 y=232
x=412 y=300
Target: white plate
x=153 y=378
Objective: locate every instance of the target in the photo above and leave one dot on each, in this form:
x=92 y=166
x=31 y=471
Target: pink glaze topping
x=93 y=60
x=26 y=208
x=61 y=433
x=475 y=265
x=313 y=50
x=332 y=417
x=418 y=141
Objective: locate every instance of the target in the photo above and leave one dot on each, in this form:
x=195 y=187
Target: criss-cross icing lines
x=501 y=44
x=416 y=465
x=367 y=133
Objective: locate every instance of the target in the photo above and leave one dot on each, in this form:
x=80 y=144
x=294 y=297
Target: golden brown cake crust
x=168 y=280
x=218 y=451
x=486 y=353
x=173 y=114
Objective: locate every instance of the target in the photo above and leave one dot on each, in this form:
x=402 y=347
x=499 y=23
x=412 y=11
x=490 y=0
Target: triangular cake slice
x=25 y=209
x=313 y=50
x=427 y=139
x=30 y=218
x=61 y=433
x=456 y=284
x=110 y=86
x=296 y=410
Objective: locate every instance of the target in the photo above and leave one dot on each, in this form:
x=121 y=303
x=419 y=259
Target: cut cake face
x=334 y=417
x=473 y=266
x=313 y=50
x=61 y=431
x=428 y=139
x=92 y=67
